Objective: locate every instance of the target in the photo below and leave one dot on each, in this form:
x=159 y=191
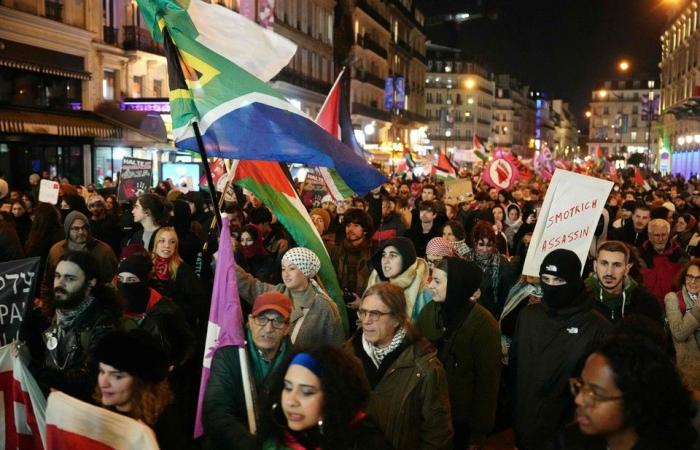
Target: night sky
x=563 y=47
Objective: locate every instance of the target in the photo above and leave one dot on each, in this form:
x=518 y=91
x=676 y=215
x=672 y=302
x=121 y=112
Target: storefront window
x=108 y=85
x=108 y=162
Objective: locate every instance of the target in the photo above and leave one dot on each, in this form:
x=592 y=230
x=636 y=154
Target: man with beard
x=79 y=238
x=85 y=310
x=352 y=255
x=551 y=342
x=103 y=227
x=613 y=291
x=634 y=232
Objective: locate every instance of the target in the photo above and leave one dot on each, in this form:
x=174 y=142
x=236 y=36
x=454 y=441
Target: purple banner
x=247 y=8
x=389 y=93
x=400 y=92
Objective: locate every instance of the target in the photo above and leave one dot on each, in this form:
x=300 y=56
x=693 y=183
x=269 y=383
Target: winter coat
x=685 y=329
x=224 y=415
x=188 y=293
x=634 y=299
x=65 y=360
x=659 y=269
x=352 y=264
x=471 y=358
x=414 y=282
x=549 y=347
x=389 y=227
x=10 y=244
x=629 y=235
x=410 y=402
x=315 y=319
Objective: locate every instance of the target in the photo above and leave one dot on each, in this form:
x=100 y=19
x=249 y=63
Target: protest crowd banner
x=568 y=217
x=134 y=178
x=18 y=283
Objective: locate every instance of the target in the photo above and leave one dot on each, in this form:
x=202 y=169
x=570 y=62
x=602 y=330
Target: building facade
x=459 y=97
x=679 y=146
x=565 y=139
x=513 y=116
x=622 y=117
x=382 y=44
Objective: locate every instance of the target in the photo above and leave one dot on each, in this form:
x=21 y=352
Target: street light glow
x=602 y=93
x=623 y=66
x=588 y=114
x=470 y=83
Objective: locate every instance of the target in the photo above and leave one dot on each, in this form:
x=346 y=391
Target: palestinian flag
x=218 y=63
x=639 y=179
x=444 y=169
x=479 y=150
x=330 y=119
x=267 y=181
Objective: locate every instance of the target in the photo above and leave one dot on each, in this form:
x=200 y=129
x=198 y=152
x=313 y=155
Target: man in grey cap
x=79 y=238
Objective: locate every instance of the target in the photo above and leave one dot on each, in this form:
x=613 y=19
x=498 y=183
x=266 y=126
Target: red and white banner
x=23 y=405
x=500 y=173
x=75 y=425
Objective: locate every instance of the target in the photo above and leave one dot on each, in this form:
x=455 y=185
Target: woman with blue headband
x=319 y=404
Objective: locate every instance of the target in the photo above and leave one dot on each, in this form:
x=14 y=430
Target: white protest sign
x=568 y=218
x=48 y=191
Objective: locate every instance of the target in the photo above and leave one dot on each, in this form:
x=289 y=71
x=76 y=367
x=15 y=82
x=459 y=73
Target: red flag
x=22 y=413
x=638 y=179
x=75 y=425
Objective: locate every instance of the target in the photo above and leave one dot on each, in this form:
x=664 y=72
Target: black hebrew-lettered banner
x=18 y=281
x=135 y=178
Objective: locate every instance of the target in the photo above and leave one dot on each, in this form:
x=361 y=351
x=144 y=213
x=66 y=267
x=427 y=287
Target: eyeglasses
x=374 y=315
x=434 y=262
x=694 y=279
x=277 y=321
x=589 y=396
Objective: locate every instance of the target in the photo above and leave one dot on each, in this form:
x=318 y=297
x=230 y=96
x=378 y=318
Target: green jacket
x=224 y=414
x=471 y=358
x=410 y=403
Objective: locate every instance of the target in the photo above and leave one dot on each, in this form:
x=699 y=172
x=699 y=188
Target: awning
x=41 y=68
x=77 y=124
x=686 y=109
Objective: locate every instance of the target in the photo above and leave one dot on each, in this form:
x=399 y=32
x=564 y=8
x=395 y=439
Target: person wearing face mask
x=255 y=258
x=147 y=309
x=468 y=343
x=551 y=342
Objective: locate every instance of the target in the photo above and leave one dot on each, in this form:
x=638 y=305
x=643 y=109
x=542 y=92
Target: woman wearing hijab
x=468 y=343
x=315 y=319
x=397 y=263
x=513 y=220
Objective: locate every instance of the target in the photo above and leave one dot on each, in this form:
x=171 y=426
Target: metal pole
x=207 y=171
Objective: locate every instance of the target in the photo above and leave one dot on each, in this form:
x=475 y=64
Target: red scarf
x=161 y=269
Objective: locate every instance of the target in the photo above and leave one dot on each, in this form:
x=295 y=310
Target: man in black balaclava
x=551 y=342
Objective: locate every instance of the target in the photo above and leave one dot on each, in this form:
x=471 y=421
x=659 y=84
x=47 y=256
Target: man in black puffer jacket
x=551 y=342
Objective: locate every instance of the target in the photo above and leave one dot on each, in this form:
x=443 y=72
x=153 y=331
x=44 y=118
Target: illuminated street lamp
x=470 y=83
x=602 y=93
x=623 y=66
x=588 y=114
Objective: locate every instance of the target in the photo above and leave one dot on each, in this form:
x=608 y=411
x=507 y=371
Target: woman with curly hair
x=319 y=404
x=132 y=381
x=630 y=396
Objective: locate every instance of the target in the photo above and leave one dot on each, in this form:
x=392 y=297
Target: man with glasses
x=661 y=259
x=225 y=417
x=79 y=238
x=614 y=292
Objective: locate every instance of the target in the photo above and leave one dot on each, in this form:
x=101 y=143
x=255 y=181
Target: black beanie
x=135 y=352
x=139 y=265
x=404 y=246
x=562 y=263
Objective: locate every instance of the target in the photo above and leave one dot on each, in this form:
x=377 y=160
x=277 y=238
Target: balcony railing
x=403 y=45
x=110 y=35
x=136 y=38
x=372 y=45
x=369 y=77
x=419 y=57
x=369 y=111
x=299 y=79
x=54 y=10
x=370 y=11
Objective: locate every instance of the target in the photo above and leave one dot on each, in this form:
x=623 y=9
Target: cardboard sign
x=458 y=190
x=18 y=281
x=568 y=218
x=135 y=178
x=48 y=191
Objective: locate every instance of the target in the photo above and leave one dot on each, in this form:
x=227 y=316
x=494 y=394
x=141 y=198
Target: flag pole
x=207 y=171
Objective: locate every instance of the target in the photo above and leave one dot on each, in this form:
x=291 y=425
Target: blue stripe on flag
x=273 y=134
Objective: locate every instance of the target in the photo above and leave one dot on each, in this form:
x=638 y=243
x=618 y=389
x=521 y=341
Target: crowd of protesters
x=449 y=343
